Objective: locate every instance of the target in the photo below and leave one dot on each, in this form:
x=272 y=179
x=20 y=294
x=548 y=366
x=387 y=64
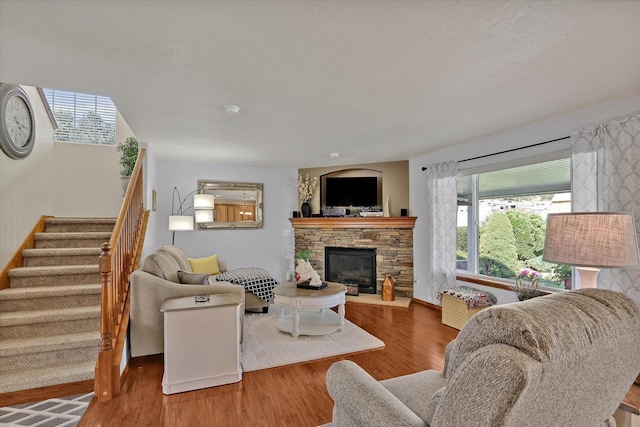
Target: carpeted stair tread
x=49 y=291
x=15 y=346
x=50 y=257
x=15 y=318
x=70 y=235
x=53 y=270
x=61 y=252
x=47 y=376
x=79 y=224
x=81 y=220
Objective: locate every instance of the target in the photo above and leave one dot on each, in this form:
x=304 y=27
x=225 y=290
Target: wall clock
x=17 y=124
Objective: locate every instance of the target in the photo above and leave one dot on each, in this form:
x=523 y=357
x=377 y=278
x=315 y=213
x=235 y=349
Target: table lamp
x=591 y=241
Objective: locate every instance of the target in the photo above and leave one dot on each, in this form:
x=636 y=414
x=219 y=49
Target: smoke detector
x=232 y=109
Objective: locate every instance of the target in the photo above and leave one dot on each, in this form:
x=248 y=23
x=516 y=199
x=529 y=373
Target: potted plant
x=128 y=150
x=562 y=275
x=303 y=255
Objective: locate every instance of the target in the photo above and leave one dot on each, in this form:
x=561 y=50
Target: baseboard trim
x=426 y=304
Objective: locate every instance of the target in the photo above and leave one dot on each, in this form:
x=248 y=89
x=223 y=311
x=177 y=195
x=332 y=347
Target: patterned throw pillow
x=193 y=278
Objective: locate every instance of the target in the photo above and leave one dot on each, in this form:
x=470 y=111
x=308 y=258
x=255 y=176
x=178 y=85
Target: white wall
x=26 y=184
x=86 y=180
x=87 y=176
x=539 y=132
x=265 y=247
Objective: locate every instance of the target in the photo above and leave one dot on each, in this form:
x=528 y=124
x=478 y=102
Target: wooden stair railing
x=120 y=256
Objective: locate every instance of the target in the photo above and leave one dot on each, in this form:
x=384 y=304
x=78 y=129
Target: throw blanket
x=256 y=280
x=472 y=296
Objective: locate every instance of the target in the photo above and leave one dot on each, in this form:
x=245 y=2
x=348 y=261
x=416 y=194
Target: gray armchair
x=566 y=359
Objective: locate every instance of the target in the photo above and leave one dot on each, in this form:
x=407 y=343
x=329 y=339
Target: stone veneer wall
x=394 y=254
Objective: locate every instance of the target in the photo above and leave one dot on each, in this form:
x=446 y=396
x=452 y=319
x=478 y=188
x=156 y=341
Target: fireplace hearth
x=351 y=266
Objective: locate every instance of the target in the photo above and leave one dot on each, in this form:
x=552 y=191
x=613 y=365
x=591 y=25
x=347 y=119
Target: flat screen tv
x=351 y=191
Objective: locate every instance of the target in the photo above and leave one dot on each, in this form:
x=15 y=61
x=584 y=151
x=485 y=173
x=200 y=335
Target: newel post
x=102 y=382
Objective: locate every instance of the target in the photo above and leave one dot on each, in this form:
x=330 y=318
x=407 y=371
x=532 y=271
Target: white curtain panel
x=606 y=178
x=442 y=213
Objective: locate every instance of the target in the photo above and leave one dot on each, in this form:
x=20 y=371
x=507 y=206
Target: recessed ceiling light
x=335 y=154
x=232 y=109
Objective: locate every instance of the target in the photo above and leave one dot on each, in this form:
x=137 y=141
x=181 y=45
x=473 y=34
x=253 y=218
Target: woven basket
x=455 y=312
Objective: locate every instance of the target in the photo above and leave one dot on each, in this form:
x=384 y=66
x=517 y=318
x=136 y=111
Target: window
x=82 y=117
x=502 y=220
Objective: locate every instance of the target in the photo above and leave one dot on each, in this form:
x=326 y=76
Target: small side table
x=201 y=342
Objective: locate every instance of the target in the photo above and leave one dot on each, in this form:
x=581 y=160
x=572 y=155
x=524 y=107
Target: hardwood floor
x=293 y=395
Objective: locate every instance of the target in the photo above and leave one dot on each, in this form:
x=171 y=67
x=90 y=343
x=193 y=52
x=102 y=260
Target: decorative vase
x=388 y=288
x=385 y=208
x=125 y=185
x=305 y=208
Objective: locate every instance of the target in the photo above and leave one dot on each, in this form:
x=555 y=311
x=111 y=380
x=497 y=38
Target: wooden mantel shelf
x=354 y=222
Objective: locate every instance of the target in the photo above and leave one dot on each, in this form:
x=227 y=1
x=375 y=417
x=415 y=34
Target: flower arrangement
x=526 y=274
x=527 y=284
x=306 y=187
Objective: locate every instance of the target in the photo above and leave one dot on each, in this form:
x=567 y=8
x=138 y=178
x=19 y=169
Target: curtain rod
x=424 y=168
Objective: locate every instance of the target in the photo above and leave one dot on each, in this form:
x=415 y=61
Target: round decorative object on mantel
x=17 y=122
x=305 y=208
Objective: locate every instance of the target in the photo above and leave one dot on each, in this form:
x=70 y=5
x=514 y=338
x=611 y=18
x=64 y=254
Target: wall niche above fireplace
x=394 y=181
x=351 y=188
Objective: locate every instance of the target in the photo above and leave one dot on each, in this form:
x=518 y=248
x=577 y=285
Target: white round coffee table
x=320 y=321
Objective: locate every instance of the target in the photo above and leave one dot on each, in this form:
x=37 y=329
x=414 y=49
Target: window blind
x=82 y=117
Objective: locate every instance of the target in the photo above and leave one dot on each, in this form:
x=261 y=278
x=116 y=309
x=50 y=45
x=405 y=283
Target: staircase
x=50 y=314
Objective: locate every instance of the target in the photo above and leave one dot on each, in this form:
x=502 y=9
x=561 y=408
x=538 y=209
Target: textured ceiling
x=373 y=81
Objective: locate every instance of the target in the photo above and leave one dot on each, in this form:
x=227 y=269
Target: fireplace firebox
x=351 y=266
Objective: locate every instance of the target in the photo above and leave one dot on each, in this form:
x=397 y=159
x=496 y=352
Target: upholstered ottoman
x=459 y=304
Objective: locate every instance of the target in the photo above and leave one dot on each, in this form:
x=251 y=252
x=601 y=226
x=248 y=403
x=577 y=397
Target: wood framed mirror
x=237 y=204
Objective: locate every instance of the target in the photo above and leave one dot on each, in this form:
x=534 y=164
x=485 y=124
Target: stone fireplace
x=391 y=237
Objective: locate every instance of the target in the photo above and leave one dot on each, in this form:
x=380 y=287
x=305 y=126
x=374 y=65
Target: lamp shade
x=180 y=222
x=592 y=239
x=204 y=215
x=203 y=201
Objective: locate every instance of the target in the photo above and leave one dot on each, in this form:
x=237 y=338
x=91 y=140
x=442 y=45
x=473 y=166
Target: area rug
x=59 y=412
x=377 y=300
x=265 y=347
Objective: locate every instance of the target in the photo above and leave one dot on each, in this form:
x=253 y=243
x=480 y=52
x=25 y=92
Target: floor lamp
x=591 y=241
x=203 y=205
x=179 y=223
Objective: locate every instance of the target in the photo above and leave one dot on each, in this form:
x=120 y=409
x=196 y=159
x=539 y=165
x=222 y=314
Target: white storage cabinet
x=201 y=342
